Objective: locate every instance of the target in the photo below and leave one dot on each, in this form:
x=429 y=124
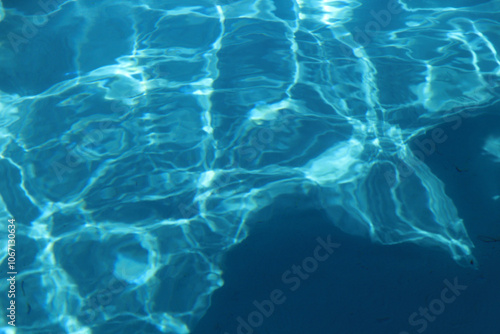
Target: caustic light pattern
x=139 y=138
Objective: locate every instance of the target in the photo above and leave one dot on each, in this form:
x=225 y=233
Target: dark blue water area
x=364 y=287
x=471 y=176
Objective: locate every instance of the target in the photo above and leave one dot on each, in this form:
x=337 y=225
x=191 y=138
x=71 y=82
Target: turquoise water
x=143 y=142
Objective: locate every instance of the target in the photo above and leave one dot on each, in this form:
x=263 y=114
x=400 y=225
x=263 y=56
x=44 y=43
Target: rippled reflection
x=139 y=138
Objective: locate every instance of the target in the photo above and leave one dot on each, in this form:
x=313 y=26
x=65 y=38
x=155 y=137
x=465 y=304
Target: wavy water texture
x=140 y=138
x=492 y=147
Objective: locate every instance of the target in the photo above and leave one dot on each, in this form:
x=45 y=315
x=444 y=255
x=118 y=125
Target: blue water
x=240 y=167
